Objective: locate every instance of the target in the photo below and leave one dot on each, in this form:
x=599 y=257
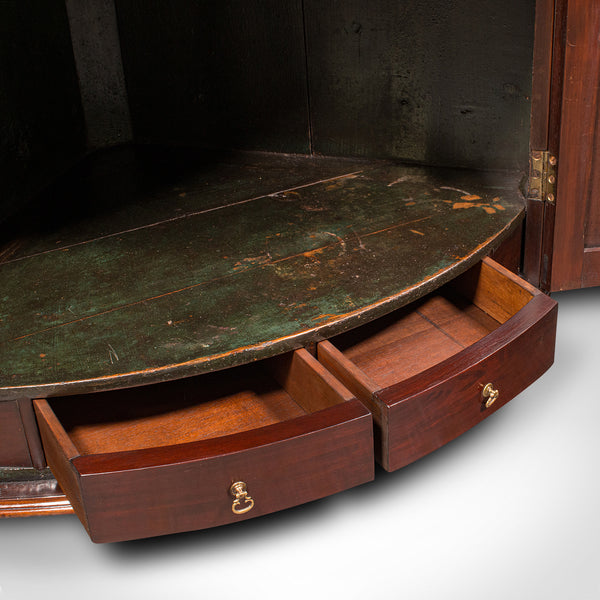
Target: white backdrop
x=509 y=510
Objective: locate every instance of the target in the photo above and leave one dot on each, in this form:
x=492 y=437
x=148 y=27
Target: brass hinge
x=542 y=176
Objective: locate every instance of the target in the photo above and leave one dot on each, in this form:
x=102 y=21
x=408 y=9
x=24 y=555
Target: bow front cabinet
x=249 y=249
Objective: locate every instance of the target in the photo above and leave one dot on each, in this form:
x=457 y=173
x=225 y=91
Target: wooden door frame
x=564 y=123
x=546 y=102
x=574 y=265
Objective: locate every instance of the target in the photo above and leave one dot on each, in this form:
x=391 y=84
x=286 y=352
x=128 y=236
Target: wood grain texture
x=558 y=74
x=14 y=451
x=577 y=223
x=227 y=75
x=165 y=490
x=59 y=450
x=35 y=506
x=542 y=74
x=114 y=425
x=305 y=379
x=546 y=108
x=509 y=253
x=591 y=267
x=97 y=54
x=444 y=83
x=434 y=407
x=189 y=410
x=409 y=342
x=51 y=428
x=547 y=248
x=32 y=434
x=136 y=468
x=211 y=269
x=428 y=364
x=554 y=139
x=532 y=241
x=41 y=119
x=353 y=377
x=495 y=290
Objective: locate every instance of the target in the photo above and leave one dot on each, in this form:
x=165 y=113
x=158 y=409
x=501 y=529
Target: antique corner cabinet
x=248 y=248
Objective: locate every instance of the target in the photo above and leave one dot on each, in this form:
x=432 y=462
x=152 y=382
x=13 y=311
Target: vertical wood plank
x=541 y=102
x=548 y=211
x=532 y=241
x=60 y=451
x=14 y=451
x=227 y=74
x=578 y=166
x=97 y=54
x=439 y=83
x=41 y=120
x=591 y=269
x=542 y=73
x=32 y=434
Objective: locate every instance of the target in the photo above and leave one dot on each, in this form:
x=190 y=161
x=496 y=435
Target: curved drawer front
x=147 y=492
x=423 y=397
x=453 y=398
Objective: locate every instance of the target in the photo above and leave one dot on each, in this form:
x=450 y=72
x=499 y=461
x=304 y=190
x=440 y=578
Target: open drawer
x=436 y=368
x=206 y=451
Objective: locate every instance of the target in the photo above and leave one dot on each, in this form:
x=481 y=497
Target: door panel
x=576 y=240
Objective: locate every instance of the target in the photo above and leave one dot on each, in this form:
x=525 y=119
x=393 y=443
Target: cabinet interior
x=194 y=193
x=435 y=82
x=94 y=87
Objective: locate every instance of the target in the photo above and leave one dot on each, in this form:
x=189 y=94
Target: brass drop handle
x=242 y=502
x=490 y=395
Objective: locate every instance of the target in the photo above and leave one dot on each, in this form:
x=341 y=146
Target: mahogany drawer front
x=151 y=491
x=424 y=408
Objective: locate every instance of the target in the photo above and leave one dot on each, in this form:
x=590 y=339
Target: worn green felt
x=148 y=266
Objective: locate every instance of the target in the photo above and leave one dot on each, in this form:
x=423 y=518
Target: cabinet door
x=572 y=248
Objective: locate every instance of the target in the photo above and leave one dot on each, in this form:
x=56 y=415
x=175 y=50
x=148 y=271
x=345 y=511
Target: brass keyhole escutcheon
x=242 y=502
x=490 y=395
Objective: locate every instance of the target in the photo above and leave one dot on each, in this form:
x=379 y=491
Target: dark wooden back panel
x=41 y=119
x=229 y=74
x=438 y=82
x=445 y=83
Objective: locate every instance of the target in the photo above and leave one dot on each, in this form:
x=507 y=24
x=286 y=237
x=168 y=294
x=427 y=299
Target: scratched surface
x=152 y=265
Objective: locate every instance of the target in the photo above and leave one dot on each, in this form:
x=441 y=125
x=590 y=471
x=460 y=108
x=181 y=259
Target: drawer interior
x=415 y=338
x=199 y=408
